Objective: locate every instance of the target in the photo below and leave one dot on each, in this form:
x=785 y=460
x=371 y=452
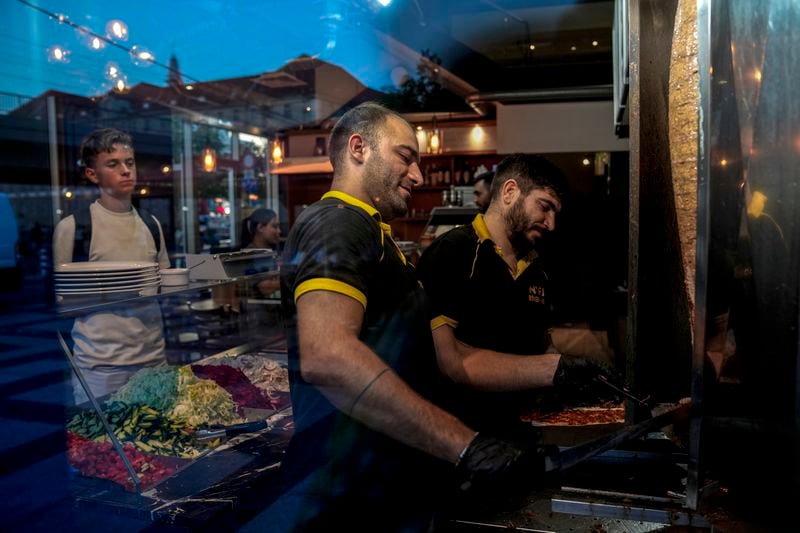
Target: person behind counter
x=369 y=450
x=491 y=300
x=261 y=229
x=481 y=189
x=111 y=346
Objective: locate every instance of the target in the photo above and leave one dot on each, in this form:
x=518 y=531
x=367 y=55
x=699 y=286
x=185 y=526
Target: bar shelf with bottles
x=441 y=173
x=442 y=170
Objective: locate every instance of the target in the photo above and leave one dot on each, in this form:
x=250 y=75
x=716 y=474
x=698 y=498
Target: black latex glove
x=493 y=467
x=573 y=370
x=584 y=375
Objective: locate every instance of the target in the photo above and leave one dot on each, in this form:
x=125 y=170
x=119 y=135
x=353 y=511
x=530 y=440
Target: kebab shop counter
x=179 y=438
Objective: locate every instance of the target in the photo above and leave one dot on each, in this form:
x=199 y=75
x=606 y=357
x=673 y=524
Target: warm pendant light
x=435 y=142
x=277 y=152
x=435 y=139
x=209 y=159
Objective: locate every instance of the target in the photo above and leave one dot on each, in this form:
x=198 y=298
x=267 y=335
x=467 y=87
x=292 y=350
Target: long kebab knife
x=624 y=390
x=570 y=457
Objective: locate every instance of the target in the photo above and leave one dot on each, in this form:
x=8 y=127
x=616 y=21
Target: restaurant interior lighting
x=601 y=161
x=209 y=159
x=477 y=135
x=435 y=143
x=277 y=152
x=422 y=137
x=435 y=139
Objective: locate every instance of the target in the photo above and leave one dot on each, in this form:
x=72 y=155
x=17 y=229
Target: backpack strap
x=149 y=220
x=83 y=232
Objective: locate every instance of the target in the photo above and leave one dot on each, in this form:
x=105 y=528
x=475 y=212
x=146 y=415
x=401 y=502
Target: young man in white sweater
x=112 y=345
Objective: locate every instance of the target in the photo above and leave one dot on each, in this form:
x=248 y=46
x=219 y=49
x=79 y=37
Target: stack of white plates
x=104 y=277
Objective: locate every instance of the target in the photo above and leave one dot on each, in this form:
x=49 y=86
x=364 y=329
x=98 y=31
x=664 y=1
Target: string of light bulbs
x=98 y=41
x=111 y=66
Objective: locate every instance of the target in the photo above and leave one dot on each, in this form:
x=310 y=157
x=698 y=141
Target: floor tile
x=56 y=394
x=18 y=432
x=30 y=370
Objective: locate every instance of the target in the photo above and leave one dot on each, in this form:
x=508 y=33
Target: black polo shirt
x=472 y=289
x=339 y=244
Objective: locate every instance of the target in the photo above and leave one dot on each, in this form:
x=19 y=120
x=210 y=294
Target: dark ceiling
x=509 y=45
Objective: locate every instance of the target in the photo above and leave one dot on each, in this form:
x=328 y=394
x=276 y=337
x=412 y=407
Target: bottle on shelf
x=452 y=196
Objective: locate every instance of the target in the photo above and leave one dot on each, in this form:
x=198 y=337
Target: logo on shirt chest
x=536 y=294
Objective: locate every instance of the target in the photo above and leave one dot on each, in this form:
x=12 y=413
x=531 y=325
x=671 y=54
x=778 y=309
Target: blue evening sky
x=212 y=39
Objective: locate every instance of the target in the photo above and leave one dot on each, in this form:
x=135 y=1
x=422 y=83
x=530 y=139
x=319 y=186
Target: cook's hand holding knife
x=490 y=469
x=584 y=375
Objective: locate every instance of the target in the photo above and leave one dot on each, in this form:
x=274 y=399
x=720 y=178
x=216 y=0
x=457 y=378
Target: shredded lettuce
x=202 y=402
x=156 y=387
x=179 y=394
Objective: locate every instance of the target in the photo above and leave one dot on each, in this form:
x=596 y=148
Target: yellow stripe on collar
x=525 y=262
x=352 y=200
x=480 y=228
x=482 y=231
x=386 y=229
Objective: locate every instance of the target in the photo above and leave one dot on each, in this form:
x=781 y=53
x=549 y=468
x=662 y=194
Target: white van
x=10 y=265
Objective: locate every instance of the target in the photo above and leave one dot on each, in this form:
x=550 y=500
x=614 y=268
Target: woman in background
x=261 y=229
